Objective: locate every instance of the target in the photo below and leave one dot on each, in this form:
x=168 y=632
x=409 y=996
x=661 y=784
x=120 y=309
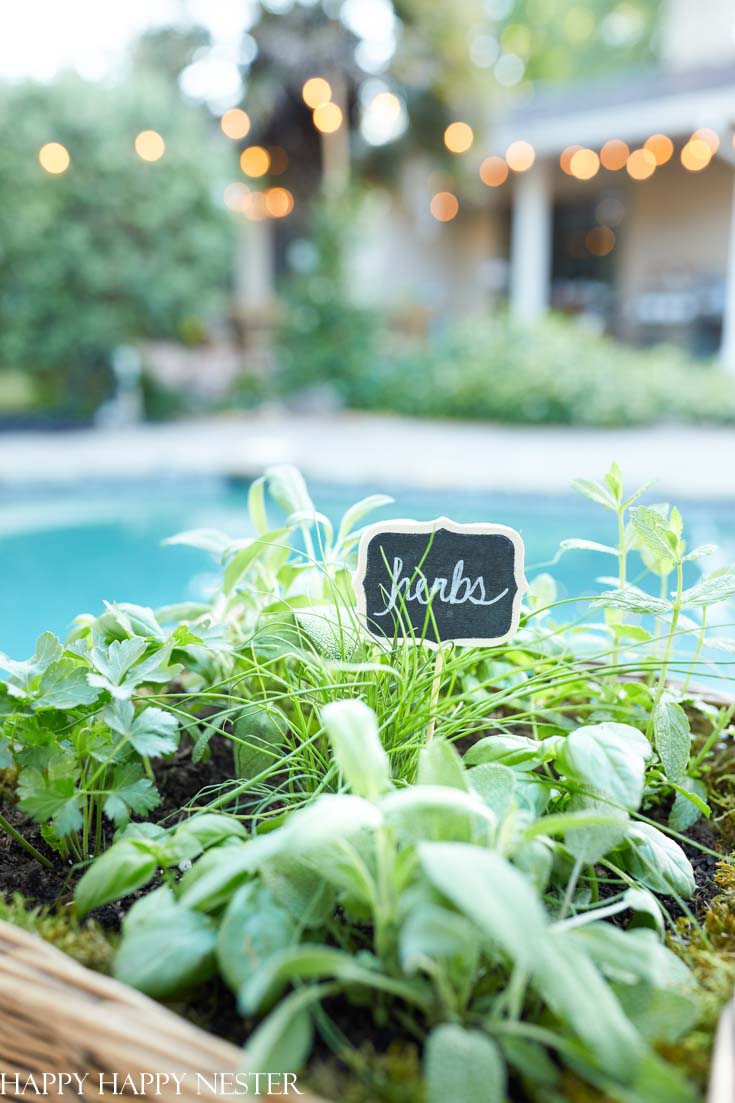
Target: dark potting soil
x=390 y=1068
x=179 y=780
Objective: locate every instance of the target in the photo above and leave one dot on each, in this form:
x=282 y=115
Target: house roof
x=628 y=106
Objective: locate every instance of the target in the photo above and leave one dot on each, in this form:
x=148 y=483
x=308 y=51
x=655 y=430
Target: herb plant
x=490 y=862
x=455 y=903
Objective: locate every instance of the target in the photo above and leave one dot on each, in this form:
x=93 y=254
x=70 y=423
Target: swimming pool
x=64 y=551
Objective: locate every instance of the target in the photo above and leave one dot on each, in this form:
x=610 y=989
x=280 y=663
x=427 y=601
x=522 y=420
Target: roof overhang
x=676 y=114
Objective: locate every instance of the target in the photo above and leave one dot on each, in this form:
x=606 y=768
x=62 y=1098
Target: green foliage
x=494 y=368
x=323 y=339
x=115 y=249
x=429 y=907
x=440 y=859
x=81 y=747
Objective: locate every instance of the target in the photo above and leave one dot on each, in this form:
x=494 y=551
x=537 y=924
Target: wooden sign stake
x=434 y=699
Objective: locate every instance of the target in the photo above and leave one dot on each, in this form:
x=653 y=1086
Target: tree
x=114 y=249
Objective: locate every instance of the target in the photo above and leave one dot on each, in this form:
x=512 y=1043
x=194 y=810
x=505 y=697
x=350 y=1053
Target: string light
x=254 y=206
x=696 y=155
x=493 y=172
x=149 y=145
x=641 y=164
x=661 y=147
x=444 y=206
x=565 y=160
x=614 y=155
x=255 y=161
x=520 y=156
x=316 y=92
x=707 y=135
x=584 y=164
x=54 y=158
x=327 y=118
x=278 y=202
x=235 y=123
x=235 y=194
x=458 y=137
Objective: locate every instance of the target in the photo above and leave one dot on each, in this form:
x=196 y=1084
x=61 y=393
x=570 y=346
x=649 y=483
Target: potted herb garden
x=504 y=876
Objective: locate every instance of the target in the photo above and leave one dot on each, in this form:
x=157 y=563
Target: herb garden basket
x=56 y=1016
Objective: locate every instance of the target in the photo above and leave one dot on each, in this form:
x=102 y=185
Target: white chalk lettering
x=461 y=589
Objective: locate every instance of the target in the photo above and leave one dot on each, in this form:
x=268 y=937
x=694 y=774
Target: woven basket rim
x=67 y=1017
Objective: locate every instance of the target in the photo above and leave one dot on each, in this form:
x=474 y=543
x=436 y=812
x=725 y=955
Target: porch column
x=254 y=263
x=530 y=247
x=727 y=348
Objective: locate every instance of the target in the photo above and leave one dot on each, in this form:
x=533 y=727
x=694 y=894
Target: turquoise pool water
x=63 y=552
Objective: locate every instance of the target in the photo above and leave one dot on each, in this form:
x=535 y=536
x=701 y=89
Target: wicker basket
x=58 y=1017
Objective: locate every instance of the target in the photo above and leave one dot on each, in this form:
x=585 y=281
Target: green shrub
x=114 y=249
x=323 y=339
x=554 y=372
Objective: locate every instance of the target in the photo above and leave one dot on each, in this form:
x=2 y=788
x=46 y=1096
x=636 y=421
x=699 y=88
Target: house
x=637 y=232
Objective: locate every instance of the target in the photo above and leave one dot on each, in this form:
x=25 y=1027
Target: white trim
x=417 y=527
x=678 y=115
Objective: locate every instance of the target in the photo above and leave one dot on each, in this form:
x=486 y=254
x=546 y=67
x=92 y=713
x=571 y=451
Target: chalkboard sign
x=438 y=581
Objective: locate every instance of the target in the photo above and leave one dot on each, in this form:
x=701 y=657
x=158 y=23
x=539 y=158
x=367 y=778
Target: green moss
x=87 y=942
x=393 y=1076
x=8 y=779
x=709 y=951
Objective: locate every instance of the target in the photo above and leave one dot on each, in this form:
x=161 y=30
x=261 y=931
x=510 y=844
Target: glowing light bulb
x=149 y=145
x=54 y=158
x=444 y=206
x=316 y=91
x=520 y=156
x=458 y=137
x=235 y=123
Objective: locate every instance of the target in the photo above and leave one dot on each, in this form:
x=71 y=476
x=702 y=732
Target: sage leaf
x=358 y=511
x=286 y=486
x=495 y=785
x=310 y=962
x=490 y=892
x=209 y=540
x=281 y=1043
x=463 y=1064
x=352 y=728
x=440 y=813
x=576 y=992
x=440 y=764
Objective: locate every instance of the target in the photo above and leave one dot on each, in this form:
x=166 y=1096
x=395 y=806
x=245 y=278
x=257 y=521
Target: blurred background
x=457 y=252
